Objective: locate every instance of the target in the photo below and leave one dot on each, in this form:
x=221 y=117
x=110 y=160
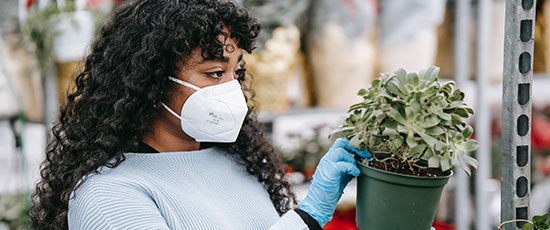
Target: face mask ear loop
x=184 y=83
x=171 y=111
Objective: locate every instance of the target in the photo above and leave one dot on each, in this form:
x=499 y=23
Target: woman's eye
x=216 y=74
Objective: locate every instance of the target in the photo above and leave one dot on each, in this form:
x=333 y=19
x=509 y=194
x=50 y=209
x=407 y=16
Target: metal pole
x=516 y=111
x=43 y=3
x=461 y=72
x=483 y=117
x=51 y=99
x=22 y=11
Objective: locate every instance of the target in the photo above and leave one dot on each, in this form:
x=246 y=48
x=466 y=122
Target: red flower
x=540 y=134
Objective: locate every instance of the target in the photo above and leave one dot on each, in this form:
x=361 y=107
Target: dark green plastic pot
x=392 y=201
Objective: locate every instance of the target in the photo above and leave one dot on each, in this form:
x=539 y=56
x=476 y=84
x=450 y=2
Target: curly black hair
x=118 y=96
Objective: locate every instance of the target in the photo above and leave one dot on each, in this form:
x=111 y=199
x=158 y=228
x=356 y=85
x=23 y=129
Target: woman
x=158 y=134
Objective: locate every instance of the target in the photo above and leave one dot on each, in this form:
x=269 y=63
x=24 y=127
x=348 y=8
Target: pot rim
x=450 y=173
x=397 y=178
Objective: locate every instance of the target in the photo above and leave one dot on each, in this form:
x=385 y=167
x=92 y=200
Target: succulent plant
x=414 y=117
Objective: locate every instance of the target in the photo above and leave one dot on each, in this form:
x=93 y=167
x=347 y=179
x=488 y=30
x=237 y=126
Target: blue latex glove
x=334 y=172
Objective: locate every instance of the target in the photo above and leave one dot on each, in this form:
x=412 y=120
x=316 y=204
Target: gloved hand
x=334 y=172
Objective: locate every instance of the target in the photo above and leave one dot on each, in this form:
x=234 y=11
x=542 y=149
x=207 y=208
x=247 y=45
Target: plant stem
x=512 y=221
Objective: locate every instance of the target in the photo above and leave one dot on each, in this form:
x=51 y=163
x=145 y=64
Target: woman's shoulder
x=107 y=183
x=107 y=199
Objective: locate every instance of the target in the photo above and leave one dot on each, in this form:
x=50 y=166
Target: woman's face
x=202 y=73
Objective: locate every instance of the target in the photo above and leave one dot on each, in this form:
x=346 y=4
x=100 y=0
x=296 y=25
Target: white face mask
x=214 y=113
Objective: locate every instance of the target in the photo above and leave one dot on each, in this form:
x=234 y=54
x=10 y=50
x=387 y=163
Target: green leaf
x=466 y=169
x=528 y=226
x=401 y=75
x=410 y=140
x=430 y=121
x=388 y=123
x=396 y=115
x=445 y=163
x=470 y=161
x=415 y=105
x=378 y=140
x=433 y=162
x=471 y=145
x=444 y=116
x=435 y=131
x=540 y=219
x=335 y=134
x=461 y=112
x=402 y=129
x=440 y=145
x=362 y=92
x=457 y=120
x=430 y=74
x=397 y=141
x=412 y=79
x=376 y=83
x=401 y=85
x=388 y=132
x=356 y=142
x=457 y=95
x=394 y=89
x=447 y=88
x=409 y=113
x=419 y=149
x=467 y=132
x=385 y=94
x=429 y=140
x=428 y=154
x=384 y=77
x=454 y=160
x=457 y=104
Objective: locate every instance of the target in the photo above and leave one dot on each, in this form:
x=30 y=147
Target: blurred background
x=312 y=58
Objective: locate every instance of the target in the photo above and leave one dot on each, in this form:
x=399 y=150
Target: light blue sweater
x=204 y=189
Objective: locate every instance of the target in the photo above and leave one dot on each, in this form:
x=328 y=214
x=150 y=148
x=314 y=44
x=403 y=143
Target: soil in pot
x=407 y=169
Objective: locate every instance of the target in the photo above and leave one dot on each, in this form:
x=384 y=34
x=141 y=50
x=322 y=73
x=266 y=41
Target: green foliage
x=12 y=212
x=539 y=223
x=38 y=32
x=414 y=117
x=309 y=150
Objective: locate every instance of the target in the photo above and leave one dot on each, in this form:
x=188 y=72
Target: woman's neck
x=166 y=138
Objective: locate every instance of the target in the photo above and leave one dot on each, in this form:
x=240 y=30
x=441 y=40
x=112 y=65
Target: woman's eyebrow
x=223 y=59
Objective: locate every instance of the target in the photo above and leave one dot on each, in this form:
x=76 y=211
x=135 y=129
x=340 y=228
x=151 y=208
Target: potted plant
x=59 y=32
x=413 y=127
x=58 y=35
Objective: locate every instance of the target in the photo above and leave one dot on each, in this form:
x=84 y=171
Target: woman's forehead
x=231 y=52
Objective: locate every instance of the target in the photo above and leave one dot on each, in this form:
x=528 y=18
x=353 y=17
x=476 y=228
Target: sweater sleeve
x=290 y=221
x=101 y=207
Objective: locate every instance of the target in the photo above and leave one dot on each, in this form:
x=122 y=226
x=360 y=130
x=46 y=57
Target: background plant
x=12 y=212
x=38 y=32
x=310 y=149
x=414 y=117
